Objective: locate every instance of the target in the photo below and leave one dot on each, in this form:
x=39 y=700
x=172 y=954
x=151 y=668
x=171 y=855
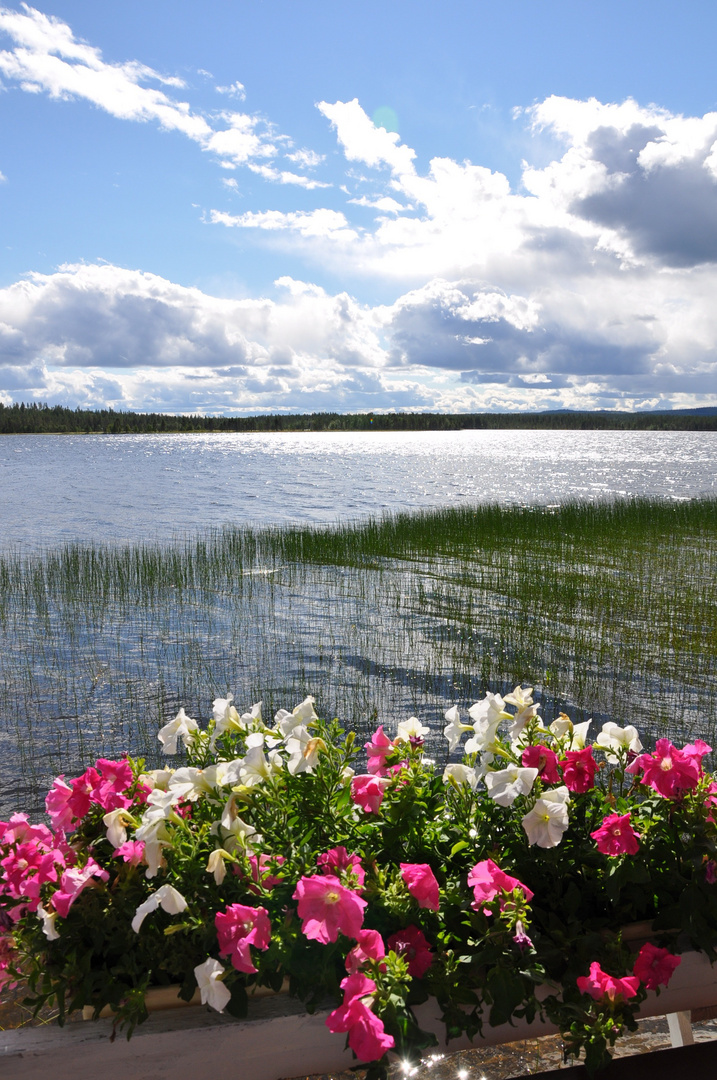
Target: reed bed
x=608 y=609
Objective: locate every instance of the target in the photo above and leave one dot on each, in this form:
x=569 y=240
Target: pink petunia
x=378 y=750
x=544 y=760
x=421 y=882
x=487 y=880
x=328 y=908
x=654 y=967
x=72 y=884
x=668 y=771
x=367 y=792
x=616 y=836
x=413 y=945
x=369 y=946
x=261 y=872
x=598 y=984
x=116 y=778
x=238 y=928
x=84 y=789
x=132 y=851
x=57 y=805
x=348 y=868
x=367 y=1037
x=579 y=770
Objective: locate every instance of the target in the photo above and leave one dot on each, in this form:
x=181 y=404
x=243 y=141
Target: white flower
x=304 y=749
x=235 y=831
x=459 y=775
x=217 y=865
x=225 y=718
x=614 y=738
x=156 y=778
x=224 y=773
x=209 y=980
x=255 y=769
x=521 y=718
x=505 y=785
x=181 y=727
x=166 y=897
x=486 y=733
x=578 y=732
x=491 y=710
x=346 y=773
x=548 y=820
x=520 y=698
x=116 y=820
x=302 y=714
x=189 y=784
x=252 y=719
x=455 y=728
x=411 y=729
x=48 y=923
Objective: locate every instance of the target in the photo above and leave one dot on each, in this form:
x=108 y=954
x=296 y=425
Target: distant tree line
x=37 y=418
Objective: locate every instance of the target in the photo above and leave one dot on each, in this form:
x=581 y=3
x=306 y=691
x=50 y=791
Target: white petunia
x=116 y=822
x=303 y=749
x=490 y=710
x=613 y=739
x=484 y=737
x=304 y=713
x=519 y=697
x=455 y=728
x=167 y=898
x=520 y=720
x=48 y=923
x=234 y=831
x=460 y=775
x=209 y=980
x=505 y=785
x=548 y=820
x=216 y=864
x=411 y=729
x=225 y=718
x=181 y=727
x=255 y=769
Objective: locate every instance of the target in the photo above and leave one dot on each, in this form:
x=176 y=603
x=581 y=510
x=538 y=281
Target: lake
x=608 y=615
x=58 y=488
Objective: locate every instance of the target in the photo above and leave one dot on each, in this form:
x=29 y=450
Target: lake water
x=57 y=488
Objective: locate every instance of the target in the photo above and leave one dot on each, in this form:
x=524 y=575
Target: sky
x=238 y=207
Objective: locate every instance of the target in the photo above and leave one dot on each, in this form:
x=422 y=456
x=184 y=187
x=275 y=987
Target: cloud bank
x=589 y=285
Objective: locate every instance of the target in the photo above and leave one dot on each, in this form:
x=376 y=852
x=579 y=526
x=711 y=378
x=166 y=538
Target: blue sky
x=244 y=207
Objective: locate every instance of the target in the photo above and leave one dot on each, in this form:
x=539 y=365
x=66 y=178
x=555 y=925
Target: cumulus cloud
x=145 y=342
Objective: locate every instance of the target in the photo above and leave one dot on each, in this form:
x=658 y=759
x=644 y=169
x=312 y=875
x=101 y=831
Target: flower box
x=279 y=1038
x=478 y=900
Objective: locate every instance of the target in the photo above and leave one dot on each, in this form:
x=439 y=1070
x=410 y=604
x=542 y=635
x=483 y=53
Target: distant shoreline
x=33 y=419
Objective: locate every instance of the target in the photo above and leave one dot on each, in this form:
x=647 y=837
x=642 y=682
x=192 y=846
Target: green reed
x=608 y=609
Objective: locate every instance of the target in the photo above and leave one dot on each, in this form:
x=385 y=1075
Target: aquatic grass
x=608 y=609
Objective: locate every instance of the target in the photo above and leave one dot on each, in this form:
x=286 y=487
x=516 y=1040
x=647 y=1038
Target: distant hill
x=34 y=418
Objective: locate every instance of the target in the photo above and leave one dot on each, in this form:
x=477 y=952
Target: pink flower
x=238 y=928
x=598 y=984
x=544 y=760
x=616 y=836
x=328 y=908
x=28 y=866
x=421 y=882
x=412 y=944
x=488 y=880
x=579 y=769
x=8 y=956
x=710 y=871
x=520 y=937
x=83 y=792
x=132 y=851
x=369 y=946
x=56 y=804
x=669 y=771
x=116 y=778
x=19 y=829
x=261 y=872
x=72 y=884
x=696 y=751
x=367 y=1037
x=367 y=792
x=347 y=867
x=378 y=750
x=654 y=967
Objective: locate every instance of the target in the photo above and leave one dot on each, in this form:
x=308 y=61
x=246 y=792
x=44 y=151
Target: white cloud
x=235 y=90
x=306 y=159
x=47 y=58
x=363 y=142
x=91 y=334
x=279 y=176
x=320 y=224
